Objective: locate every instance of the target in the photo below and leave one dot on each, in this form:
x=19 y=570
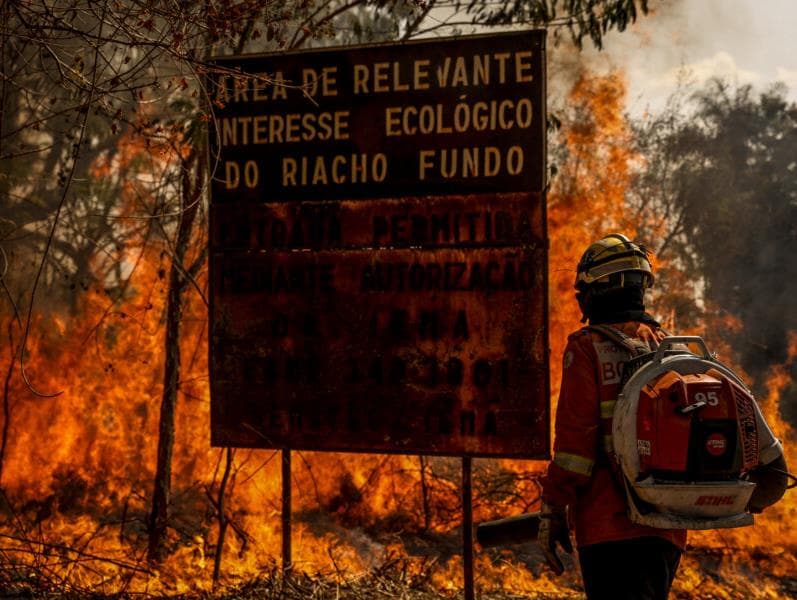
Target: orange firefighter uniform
x=581 y=474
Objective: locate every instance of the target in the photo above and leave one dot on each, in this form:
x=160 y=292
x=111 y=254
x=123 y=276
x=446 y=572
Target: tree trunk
x=223 y=522
x=159 y=517
x=12 y=359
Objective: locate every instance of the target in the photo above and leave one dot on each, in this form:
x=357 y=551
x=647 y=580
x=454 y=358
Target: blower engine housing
x=686 y=431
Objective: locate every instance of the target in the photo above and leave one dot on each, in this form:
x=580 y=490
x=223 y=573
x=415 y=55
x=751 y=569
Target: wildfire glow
x=78 y=468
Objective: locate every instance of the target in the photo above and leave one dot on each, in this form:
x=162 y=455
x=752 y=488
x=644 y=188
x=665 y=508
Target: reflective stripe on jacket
x=580 y=474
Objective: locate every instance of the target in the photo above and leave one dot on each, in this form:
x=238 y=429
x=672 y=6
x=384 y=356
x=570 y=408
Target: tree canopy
x=582 y=19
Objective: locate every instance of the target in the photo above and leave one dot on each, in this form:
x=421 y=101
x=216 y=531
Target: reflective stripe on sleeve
x=608 y=443
x=574 y=463
x=607 y=409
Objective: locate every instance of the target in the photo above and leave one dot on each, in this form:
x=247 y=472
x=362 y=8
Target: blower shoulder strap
x=634 y=346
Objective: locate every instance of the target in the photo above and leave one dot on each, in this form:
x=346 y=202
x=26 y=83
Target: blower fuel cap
x=716 y=444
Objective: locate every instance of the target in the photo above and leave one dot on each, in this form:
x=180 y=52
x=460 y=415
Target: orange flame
x=78 y=469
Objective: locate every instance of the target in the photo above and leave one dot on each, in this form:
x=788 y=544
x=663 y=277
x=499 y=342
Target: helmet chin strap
x=581 y=298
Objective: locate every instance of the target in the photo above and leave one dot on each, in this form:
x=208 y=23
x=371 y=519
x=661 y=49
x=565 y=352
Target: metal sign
x=379 y=249
x=459 y=116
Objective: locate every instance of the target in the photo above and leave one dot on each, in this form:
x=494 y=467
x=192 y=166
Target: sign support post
x=467 y=526
x=286 y=511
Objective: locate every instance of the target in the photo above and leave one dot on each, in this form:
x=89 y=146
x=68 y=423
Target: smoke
x=688 y=43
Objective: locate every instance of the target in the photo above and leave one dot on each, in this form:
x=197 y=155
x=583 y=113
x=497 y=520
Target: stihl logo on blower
x=715 y=500
x=716 y=444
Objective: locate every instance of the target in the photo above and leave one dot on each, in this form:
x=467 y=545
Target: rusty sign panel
x=362 y=317
x=457 y=116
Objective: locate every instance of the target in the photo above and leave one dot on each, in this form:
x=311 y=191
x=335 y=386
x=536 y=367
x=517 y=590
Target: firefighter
x=619 y=559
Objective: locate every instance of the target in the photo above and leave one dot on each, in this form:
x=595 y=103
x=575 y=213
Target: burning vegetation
x=80 y=427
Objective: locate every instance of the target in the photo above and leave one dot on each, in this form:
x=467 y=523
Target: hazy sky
x=748 y=41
